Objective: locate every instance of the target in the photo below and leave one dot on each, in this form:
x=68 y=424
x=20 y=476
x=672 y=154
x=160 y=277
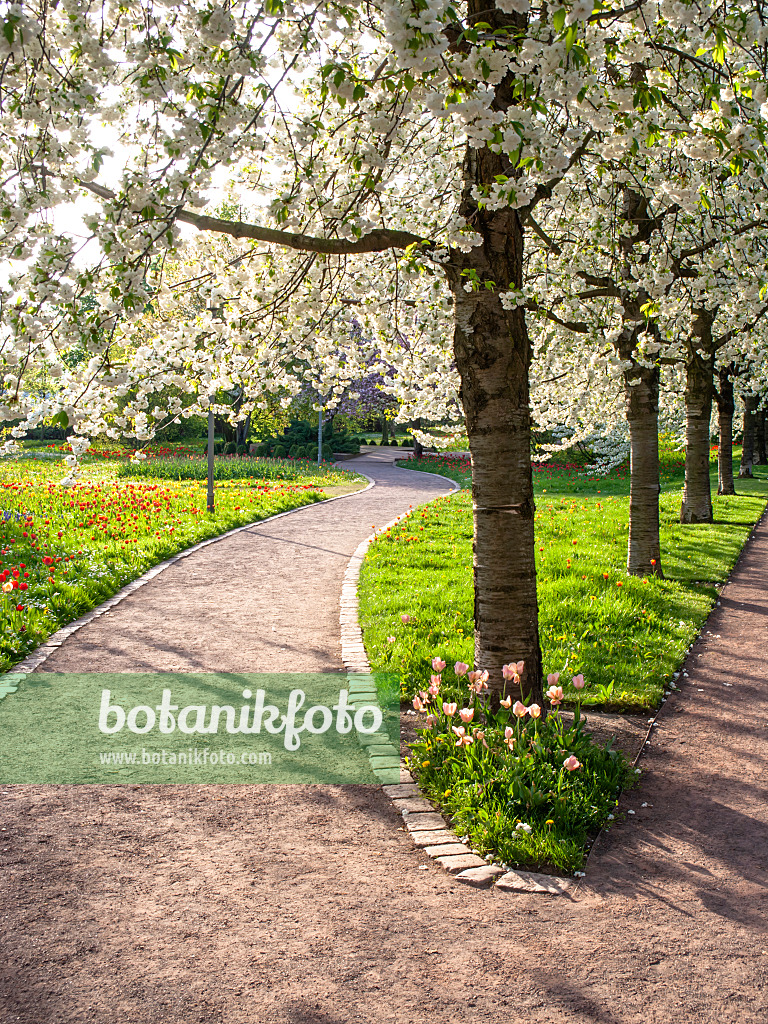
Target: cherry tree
x=643 y=263
x=383 y=141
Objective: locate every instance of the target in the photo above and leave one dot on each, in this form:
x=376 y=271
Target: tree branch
x=375 y=241
x=736 y=331
x=578 y=326
x=544 y=191
x=698 y=250
x=539 y=230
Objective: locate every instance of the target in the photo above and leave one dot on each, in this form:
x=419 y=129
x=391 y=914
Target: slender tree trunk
x=725 y=409
x=242 y=430
x=748 y=440
x=761 y=457
x=384 y=430
x=697 y=496
x=418 y=448
x=225 y=428
x=493 y=354
x=641 y=389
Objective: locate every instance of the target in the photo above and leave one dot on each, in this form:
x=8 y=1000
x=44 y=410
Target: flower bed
x=65 y=550
x=524 y=788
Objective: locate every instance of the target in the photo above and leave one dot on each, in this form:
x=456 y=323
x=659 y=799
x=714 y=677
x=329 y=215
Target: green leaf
x=558 y=20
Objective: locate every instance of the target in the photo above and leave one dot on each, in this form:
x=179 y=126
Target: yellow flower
x=549 y=822
x=425 y=764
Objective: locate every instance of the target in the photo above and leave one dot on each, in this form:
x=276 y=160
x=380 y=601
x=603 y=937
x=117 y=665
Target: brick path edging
x=426 y=827
x=9 y=680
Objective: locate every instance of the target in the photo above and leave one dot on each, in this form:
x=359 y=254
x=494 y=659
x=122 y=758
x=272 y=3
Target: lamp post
x=320 y=433
x=211 y=503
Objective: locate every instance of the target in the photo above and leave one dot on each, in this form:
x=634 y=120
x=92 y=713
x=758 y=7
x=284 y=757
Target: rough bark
x=748 y=439
x=225 y=429
x=242 y=430
x=761 y=457
x=641 y=388
x=641 y=392
x=697 y=495
x=418 y=448
x=725 y=410
x=493 y=354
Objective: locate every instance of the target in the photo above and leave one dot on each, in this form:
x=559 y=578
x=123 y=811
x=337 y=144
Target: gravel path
x=309 y=905
x=264 y=599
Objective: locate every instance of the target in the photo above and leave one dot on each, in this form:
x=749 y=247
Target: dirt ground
x=310 y=905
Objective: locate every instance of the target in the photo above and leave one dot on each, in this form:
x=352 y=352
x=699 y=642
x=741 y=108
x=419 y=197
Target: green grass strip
x=627 y=635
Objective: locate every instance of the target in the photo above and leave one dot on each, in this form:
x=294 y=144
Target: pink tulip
x=509 y=672
x=435 y=680
x=463 y=740
x=519 y=667
x=571 y=763
x=578 y=681
x=438 y=664
x=509 y=737
x=390 y=639
x=434 y=689
x=450 y=709
x=534 y=711
x=554 y=694
x=467 y=714
x=418 y=704
x=430 y=720
x=405 y=618
x=553 y=679
x=478 y=681
x=460 y=668
x=520 y=710
x=506 y=703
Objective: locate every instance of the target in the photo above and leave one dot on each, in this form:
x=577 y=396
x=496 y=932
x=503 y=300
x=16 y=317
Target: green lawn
x=626 y=635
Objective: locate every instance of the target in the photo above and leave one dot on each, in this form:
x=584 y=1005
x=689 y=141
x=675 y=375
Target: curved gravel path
x=264 y=599
x=309 y=905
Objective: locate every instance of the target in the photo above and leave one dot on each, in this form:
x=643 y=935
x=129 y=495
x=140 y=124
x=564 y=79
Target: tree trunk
x=493 y=354
x=761 y=458
x=384 y=430
x=641 y=389
x=697 y=496
x=225 y=428
x=242 y=430
x=748 y=440
x=725 y=410
x=418 y=448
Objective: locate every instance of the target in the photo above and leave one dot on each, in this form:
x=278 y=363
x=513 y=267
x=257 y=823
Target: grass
x=627 y=635
x=233 y=467
x=64 y=551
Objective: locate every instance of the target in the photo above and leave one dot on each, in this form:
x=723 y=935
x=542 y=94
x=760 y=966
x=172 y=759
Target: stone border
x=426 y=827
x=9 y=680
